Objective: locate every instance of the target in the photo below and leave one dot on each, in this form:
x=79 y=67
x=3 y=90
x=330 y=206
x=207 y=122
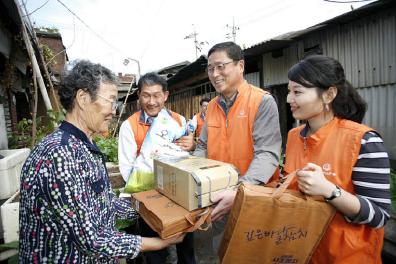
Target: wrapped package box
x=166 y=217
x=192 y=182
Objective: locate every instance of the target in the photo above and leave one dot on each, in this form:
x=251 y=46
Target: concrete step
x=116 y=180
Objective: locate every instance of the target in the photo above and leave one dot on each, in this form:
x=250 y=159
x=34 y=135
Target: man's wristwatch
x=336 y=193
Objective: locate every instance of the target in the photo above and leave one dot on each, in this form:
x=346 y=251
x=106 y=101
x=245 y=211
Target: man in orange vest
x=199 y=119
x=152 y=92
x=241 y=128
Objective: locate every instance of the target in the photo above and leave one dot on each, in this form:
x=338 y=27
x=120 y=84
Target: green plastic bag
x=140 y=181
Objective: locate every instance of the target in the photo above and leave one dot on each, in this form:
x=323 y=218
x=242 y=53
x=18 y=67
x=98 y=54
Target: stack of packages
x=184 y=191
x=170 y=188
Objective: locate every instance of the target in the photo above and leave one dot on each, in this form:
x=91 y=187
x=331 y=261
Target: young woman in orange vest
x=338 y=158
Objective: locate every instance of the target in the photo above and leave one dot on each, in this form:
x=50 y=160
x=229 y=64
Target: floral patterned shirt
x=67 y=206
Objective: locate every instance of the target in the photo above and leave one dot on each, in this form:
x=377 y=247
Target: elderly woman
x=67 y=207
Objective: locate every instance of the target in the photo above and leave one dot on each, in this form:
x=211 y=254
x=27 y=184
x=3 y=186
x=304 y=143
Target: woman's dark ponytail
x=324 y=72
x=348 y=103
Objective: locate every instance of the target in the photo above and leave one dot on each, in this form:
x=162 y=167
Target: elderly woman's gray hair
x=84 y=75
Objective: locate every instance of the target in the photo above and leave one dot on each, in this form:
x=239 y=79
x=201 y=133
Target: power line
x=38 y=8
x=273 y=10
x=93 y=31
x=150 y=38
x=42 y=22
x=233 y=30
x=67 y=48
x=346 y=2
x=198 y=44
x=263 y=11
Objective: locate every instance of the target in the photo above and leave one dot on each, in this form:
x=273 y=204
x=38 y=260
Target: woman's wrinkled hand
x=156 y=243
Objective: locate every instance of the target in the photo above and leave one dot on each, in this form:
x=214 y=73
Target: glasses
x=219 y=66
x=114 y=104
x=147 y=96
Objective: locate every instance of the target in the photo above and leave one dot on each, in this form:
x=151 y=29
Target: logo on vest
x=327 y=170
x=242 y=114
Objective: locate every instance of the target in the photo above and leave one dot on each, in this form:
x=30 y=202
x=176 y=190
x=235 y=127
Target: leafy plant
x=47 y=29
x=13 y=260
x=48 y=54
x=282 y=160
x=122 y=224
x=109 y=147
x=393 y=190
x=23 y=137
x=8 y=246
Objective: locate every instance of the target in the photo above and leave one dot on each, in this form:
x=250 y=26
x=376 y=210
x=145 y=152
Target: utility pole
x=234 y=29
x=33 y=59
x=198 y=44
x=131 y=91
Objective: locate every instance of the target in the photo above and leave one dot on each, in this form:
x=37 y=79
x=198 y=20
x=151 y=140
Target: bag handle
x=281 y=189
x=202 y=221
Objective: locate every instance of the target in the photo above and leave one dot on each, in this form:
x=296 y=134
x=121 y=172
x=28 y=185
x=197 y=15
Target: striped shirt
x=370 y=177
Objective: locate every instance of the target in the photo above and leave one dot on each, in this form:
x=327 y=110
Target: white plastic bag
x=159 y=142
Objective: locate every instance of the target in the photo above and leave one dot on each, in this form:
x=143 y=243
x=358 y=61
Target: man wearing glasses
x=153 y=93
x=241 y=128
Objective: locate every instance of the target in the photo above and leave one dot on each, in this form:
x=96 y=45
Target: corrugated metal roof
x=173 y=67
x=283 y=40
x=190 y=70
x=286 y=40
x=366 y=47
x=279 y=42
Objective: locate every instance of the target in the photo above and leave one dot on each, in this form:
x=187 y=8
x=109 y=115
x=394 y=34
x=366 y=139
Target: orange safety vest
x=230 y=139
x=335 y=147
x=140 y=127
x=200 y=123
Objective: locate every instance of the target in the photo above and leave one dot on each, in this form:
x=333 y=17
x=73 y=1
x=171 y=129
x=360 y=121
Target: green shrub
x=109 y=147
x=393 y=189
x=122 y=224
x=8 y=246
x=44 y=126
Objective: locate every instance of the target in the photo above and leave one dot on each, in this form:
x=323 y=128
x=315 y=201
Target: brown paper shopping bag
x=268 y=225
x=166 y=217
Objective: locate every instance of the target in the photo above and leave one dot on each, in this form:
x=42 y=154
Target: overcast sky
x=153 y=31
